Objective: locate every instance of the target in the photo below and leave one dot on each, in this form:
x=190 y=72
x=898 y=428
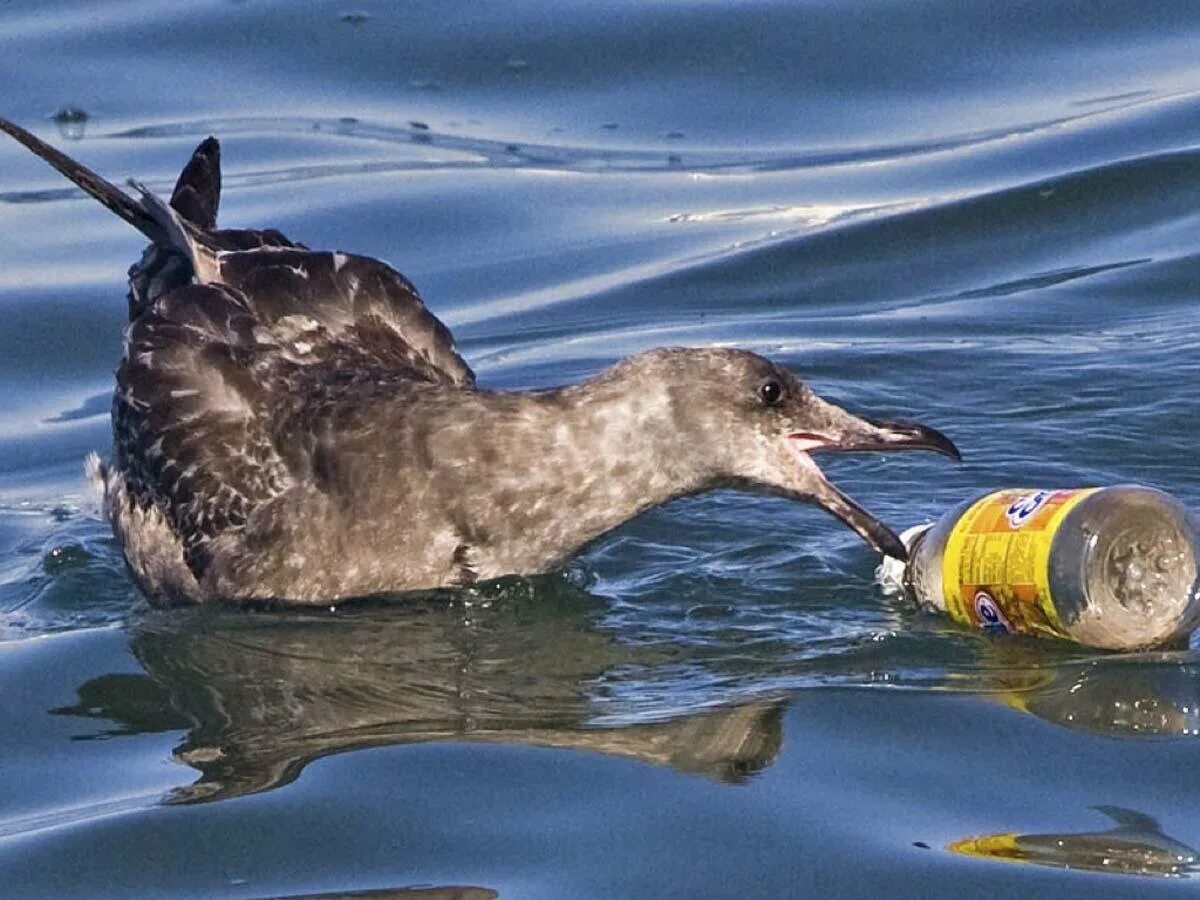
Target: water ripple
x=432 y=150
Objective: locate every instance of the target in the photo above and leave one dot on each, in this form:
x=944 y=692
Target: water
x=981 y=215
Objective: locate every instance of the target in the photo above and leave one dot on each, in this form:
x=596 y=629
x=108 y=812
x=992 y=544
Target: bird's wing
x=277 y=278
x=339 y=292
x=211 y=388
x=348 y=298
x=190 y=421
x=232 y=329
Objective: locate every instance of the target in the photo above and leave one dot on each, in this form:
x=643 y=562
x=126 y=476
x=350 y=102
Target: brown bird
x=294 y=425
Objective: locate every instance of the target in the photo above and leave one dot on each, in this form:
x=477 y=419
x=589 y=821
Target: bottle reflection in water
x=1128 y=700
x=1108 y=567
x=1136 y=845
x=1149 y=694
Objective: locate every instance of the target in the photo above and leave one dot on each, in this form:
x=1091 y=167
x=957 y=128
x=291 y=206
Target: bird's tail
x=132 y=211
x=183 y=224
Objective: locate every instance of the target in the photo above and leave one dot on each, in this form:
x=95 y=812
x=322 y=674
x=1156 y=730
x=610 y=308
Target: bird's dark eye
x=770 y=392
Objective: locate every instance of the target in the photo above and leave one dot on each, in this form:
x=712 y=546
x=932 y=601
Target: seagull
x=295 y=426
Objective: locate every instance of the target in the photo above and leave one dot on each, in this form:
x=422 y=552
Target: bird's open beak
x=850 y=433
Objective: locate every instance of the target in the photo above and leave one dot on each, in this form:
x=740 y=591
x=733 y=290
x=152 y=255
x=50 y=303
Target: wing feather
x=191 y=424
x=244 y=355
x=351 y=298
x=216 y=377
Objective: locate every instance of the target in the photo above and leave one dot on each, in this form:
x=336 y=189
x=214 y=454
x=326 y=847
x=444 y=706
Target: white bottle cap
x=890 y=573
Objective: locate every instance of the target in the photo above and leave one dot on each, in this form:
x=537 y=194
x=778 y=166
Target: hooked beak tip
x=915 y=436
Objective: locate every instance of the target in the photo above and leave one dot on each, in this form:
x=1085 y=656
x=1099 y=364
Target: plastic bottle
x=1113 y=567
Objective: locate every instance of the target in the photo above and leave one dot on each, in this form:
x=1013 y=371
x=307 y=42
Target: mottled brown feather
x=205 y=413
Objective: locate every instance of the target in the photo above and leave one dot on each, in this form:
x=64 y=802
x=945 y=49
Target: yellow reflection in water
x=1136 y=845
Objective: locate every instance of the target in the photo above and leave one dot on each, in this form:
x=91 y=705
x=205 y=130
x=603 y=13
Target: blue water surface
x=983 y=215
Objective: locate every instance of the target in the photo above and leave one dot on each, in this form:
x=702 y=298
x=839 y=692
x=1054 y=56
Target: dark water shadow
x=261 y=695
x=96 y=405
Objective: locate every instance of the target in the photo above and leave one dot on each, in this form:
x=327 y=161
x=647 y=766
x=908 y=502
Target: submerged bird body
x=295 y=425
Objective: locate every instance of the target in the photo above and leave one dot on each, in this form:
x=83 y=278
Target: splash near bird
x=294 y=425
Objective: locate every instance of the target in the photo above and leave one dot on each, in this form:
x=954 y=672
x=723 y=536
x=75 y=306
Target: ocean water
x=983 y=215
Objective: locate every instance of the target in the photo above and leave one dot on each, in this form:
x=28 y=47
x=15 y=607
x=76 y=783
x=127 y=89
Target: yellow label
x=997 y=846
x=996 y=568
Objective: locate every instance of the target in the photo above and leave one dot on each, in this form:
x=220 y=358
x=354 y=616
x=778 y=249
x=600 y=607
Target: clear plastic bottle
x=1113 y=567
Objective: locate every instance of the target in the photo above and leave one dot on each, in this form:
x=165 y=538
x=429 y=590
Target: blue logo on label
x=990 y=617
x=1022 y=508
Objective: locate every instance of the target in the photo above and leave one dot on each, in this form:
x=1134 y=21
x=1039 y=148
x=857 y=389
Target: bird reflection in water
x=262 y=695
x=1135 y=845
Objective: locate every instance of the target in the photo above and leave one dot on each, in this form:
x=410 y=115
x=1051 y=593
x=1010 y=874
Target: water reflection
x=71 y=122
x=261 y=695
x=1136 y=845
x=1139 y=695
x=1125 y=700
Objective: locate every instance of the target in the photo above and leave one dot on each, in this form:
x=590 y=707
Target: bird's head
x=757 y=426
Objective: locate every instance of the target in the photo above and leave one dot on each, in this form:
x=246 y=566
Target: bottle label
x=996 y=567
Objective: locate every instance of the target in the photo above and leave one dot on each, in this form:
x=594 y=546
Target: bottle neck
x=896 y=577
x=914 y=545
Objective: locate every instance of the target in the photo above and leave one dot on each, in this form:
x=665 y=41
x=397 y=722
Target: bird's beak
x=842 y=431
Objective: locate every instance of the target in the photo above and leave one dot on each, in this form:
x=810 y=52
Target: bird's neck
x=568 y=466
